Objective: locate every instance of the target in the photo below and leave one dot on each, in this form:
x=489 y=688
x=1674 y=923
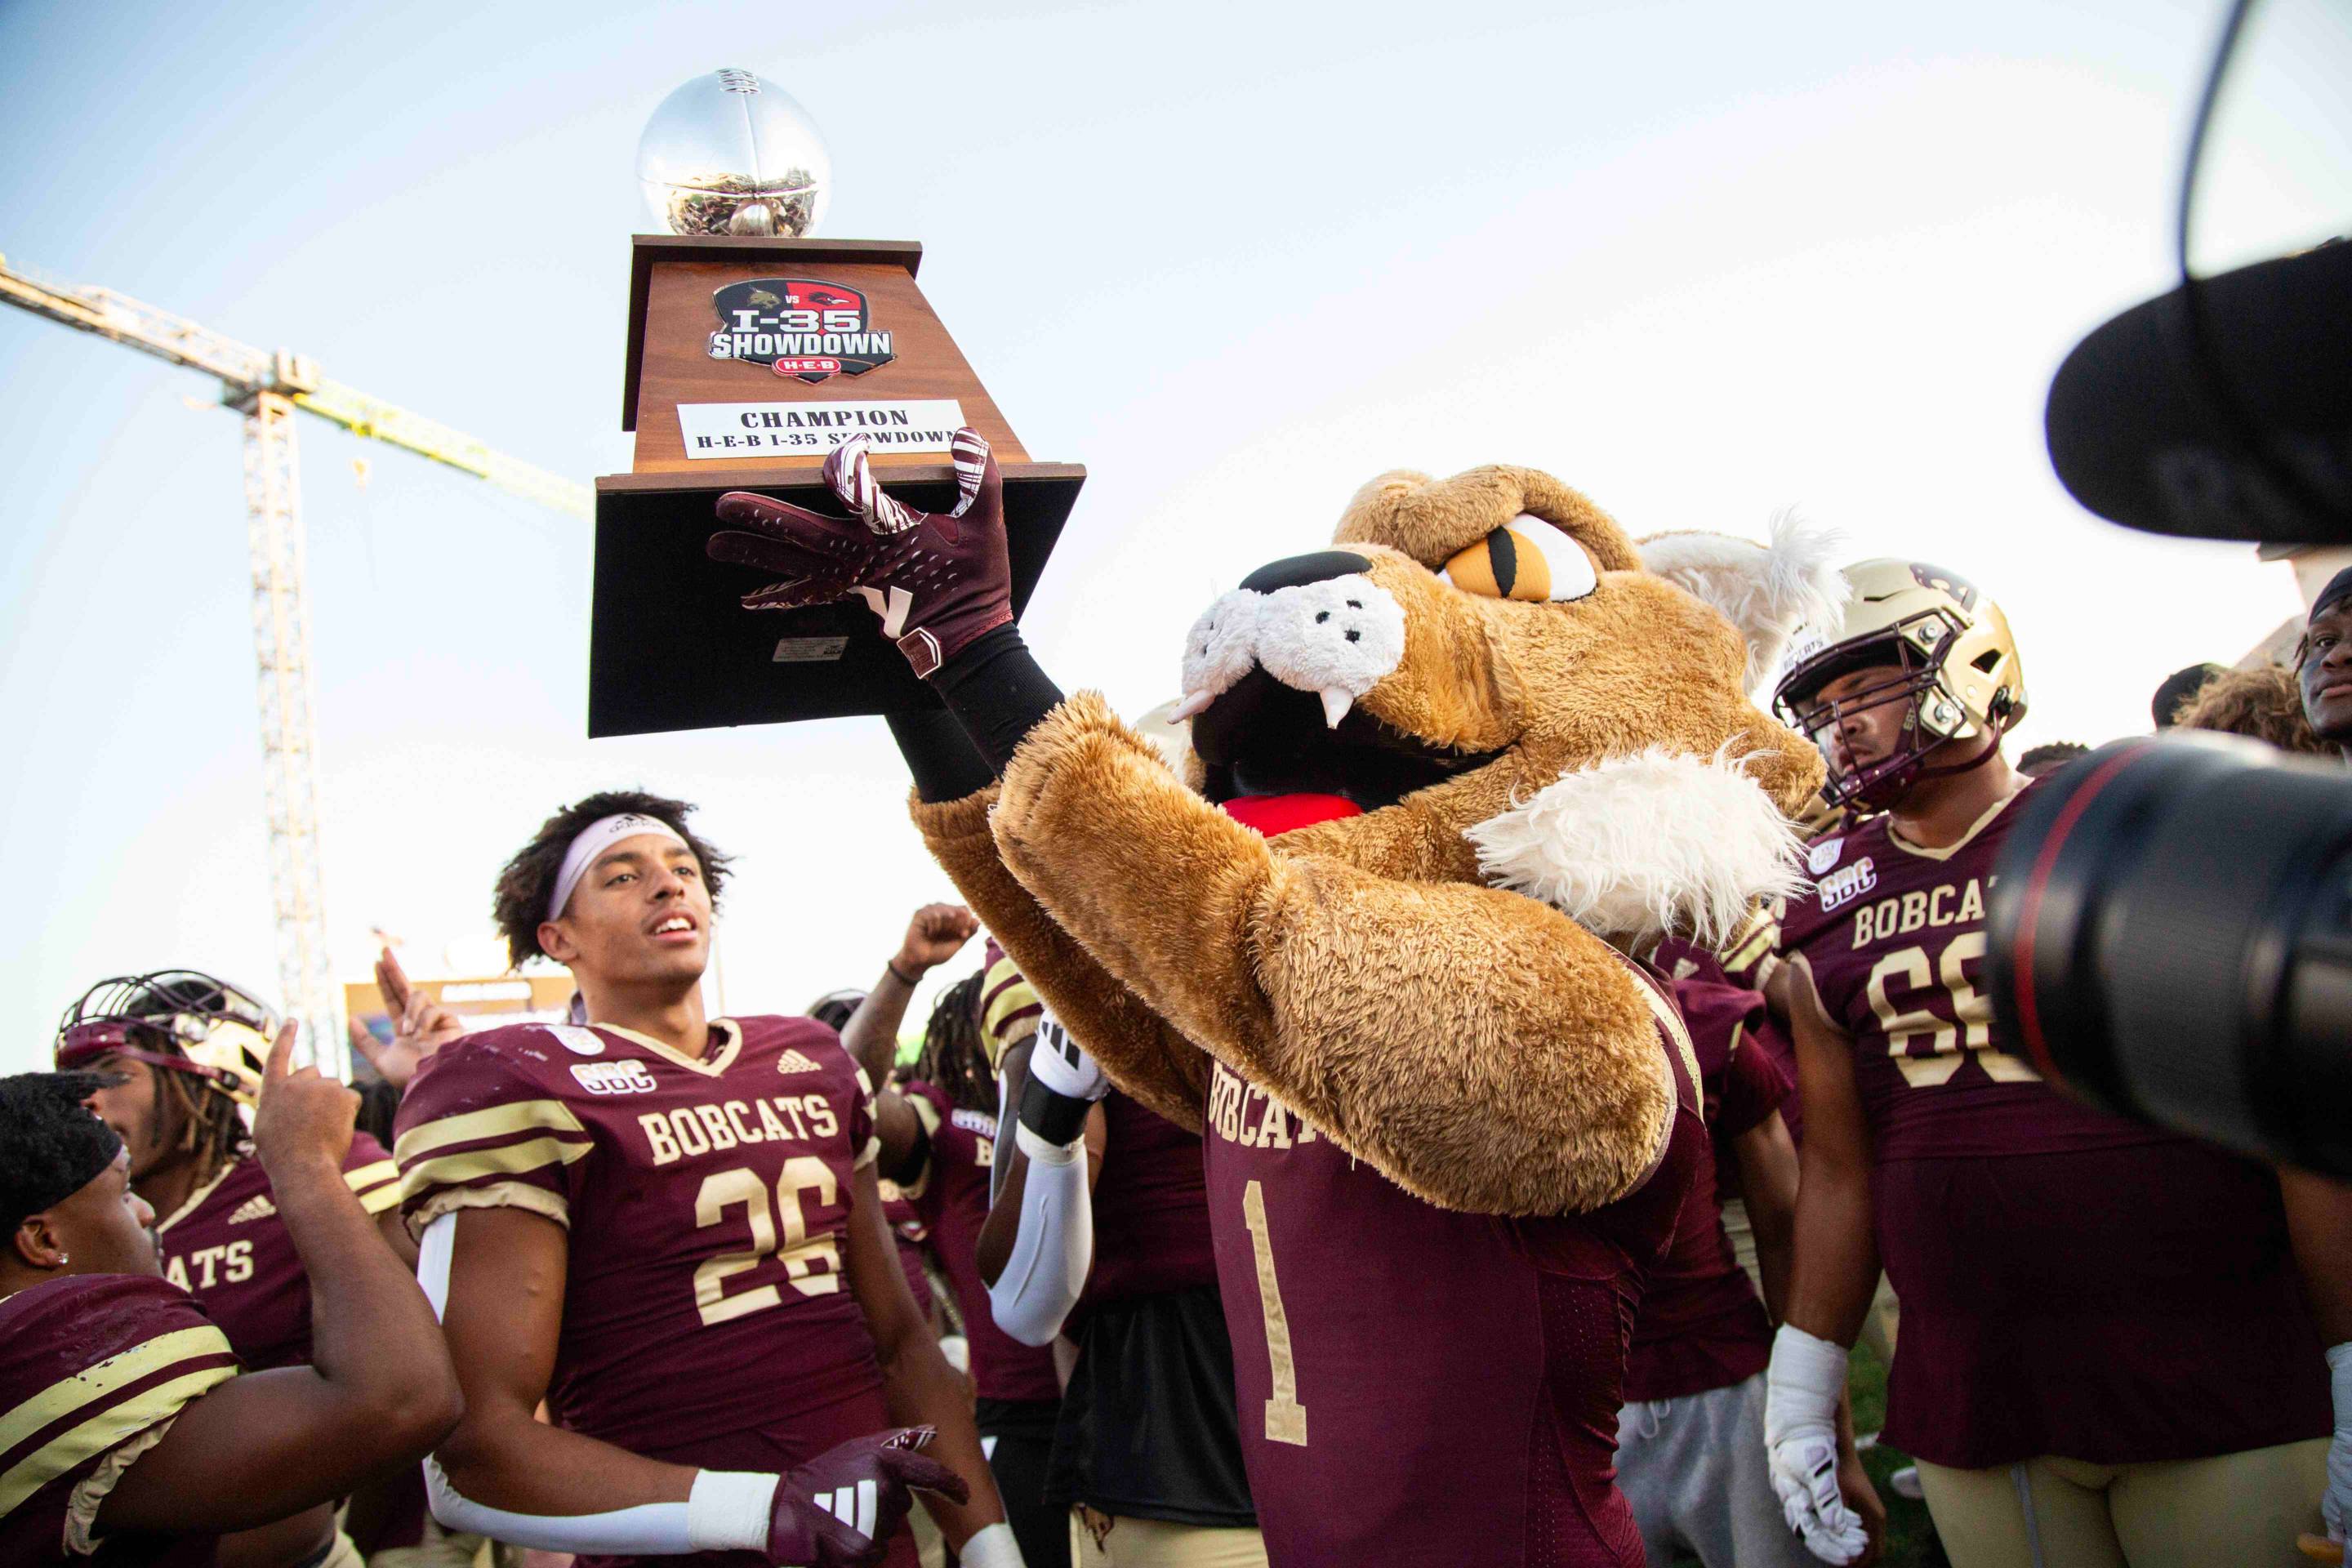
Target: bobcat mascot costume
x=1538 y=734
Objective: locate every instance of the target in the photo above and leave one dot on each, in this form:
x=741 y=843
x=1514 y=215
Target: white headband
x=593 y=840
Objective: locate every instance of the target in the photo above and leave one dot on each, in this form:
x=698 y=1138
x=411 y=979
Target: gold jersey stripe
x=492 y=1121
x=1671 y=1021
x=1754 y=946
x=1006 y=993
x=505 y=1160
x=380 y=1197
x=109 y=1428
x=62 y=1399
x=489 y=1195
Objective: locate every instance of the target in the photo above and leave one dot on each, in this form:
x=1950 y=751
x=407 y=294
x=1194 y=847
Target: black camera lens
x=2172 y=938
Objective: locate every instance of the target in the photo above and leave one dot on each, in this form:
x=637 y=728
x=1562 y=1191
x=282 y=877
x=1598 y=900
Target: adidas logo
x=253 y=1209
x=792 y=1062
x=854 y=1506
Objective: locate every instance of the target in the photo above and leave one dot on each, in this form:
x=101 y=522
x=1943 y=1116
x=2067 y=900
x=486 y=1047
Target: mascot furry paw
x=1446 y=1123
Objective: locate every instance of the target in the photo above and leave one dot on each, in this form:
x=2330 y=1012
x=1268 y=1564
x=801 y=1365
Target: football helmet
x=177 y=1019
x=1961 y=674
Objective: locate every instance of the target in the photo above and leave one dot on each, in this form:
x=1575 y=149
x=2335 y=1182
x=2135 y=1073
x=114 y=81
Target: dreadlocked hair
x=519 y=904
x=209 y=1129
x=953 y=1058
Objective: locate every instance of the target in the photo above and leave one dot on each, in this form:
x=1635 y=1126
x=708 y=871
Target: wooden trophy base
x=747 y=360
x=671 y=648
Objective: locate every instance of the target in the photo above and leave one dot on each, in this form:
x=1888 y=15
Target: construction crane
x=268 y=388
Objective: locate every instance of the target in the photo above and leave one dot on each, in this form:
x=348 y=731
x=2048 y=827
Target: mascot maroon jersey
x=706 y=1317
x=93 y=1370
x=227 y=1246
x=950 y=1198
x=2019 y=1226
x=1422 y=1388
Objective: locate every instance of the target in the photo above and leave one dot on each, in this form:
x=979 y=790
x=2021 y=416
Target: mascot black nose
x=1298 y=570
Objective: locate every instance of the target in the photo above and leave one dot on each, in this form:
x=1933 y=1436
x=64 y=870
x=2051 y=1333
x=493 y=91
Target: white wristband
x=1802 y=1383
x=991 y=1546
x=1041 y=1152
x=728 y=1511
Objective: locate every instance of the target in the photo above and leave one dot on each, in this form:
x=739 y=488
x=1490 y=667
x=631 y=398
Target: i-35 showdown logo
x=798 y=326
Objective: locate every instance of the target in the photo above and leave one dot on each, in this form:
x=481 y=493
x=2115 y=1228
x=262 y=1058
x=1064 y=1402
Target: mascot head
x=1516 y=693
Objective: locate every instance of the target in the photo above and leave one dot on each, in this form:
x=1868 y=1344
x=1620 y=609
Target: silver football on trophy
x=730 y=152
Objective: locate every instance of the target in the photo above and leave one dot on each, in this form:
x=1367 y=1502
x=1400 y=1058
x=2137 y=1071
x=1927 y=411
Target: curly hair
x=50 y=1145
x=2264 y=703
x=2050 y=756
x=519 y=904
x=954 y=1058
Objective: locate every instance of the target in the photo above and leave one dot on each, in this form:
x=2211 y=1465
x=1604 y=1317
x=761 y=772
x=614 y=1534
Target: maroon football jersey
x=2019 y=1226
x=93 y=1370
x=1150 y=1212
x=705 y=1320
x=909 y=1236
x=952 y=1198
x=1701 y=1325
x=227 y=1246
x=1418 y=1387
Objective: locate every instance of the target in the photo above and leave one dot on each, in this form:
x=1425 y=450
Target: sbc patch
x=1845 y=886
x=613 y=1078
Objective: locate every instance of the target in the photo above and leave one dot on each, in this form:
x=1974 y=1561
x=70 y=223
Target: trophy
x=755 y=350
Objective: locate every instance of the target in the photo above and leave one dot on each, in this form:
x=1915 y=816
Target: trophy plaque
x=754 y=351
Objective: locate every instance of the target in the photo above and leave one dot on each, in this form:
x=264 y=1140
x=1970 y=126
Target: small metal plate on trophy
x=755 y=350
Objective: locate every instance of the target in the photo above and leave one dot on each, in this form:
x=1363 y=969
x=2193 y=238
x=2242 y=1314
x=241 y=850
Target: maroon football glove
x=937 y=579
x=840 y=1509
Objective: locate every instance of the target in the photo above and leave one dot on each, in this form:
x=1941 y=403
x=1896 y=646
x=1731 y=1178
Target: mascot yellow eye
x=1526 y=558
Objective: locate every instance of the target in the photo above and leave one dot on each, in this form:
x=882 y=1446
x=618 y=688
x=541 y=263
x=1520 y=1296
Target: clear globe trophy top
x=730 y=152
x=825 y=339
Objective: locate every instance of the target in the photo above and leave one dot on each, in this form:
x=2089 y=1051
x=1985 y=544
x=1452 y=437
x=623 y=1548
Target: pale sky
x=1701 y=260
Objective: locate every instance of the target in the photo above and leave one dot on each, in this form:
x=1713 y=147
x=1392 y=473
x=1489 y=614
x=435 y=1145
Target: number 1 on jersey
x=1285 y=1418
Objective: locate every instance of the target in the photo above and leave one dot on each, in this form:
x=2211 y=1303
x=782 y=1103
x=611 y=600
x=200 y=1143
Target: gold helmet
x=1962 y=676
x=177 y=1019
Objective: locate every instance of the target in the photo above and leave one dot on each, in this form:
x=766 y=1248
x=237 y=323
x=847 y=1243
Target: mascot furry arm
x=1556 y=748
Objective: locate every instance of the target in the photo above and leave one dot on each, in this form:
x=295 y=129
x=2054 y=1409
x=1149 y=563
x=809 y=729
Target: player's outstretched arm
x=935 y=933
x=1836 y=1265
x=919 y=1385
x=1373 y=1009
x=1824 y=1496
x=496 y=1275
x=379 y=1392
x=1766 y=1159
x=1036 y=1273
